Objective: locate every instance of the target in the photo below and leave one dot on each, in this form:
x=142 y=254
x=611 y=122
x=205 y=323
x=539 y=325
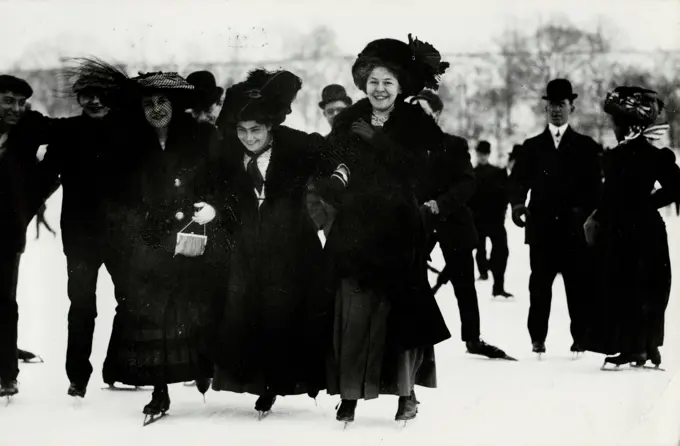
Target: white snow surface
x=556 y=401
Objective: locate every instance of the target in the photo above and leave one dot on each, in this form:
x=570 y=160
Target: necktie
x=557 y=138
x=255 y=173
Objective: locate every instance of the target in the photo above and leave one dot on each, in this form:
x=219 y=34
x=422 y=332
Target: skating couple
x=608 y=242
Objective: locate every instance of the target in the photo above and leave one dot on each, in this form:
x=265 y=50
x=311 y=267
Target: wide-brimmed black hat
x=559 y=90
x=207 y=91
x=15 y=85
x=265 y=97
x=332 y=93
x=416 y=64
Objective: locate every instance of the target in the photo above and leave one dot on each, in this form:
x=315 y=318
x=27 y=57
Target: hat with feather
x=265 y=97
x=416 y=64
x=121 y=91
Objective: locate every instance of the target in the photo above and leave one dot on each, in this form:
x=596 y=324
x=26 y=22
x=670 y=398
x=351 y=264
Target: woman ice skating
x=629 y=233
x=386 y=318
x=273 y=320
x=161 y=324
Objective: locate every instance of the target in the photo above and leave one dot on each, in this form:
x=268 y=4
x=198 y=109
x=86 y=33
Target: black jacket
x=90 y=159
x=20 y=196
x=565 y=184
x=450 y=180
x=490 y=201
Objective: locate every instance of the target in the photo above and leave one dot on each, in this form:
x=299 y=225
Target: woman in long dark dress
x=630 y=236
x=386 y=318
x=161 y=323
x=272 y=322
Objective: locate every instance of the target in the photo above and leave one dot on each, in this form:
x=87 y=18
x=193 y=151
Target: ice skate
x=345 y=412
x=76 y=390
x=159 y=405
x=635 y=360
x=577 y=351
x=501 y=293
x=480 y=347
x=407 y=409
x=263 y=405
x=654 y=356
x=8 y=389
x=28 y=357
x=114 y=388
x=483 y=276
x=538 y=348
x=203 y=385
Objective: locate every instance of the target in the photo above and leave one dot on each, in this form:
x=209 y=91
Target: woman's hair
x=363 y=71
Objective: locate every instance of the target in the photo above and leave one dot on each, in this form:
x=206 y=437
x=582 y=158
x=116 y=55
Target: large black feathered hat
x=265 y=97
x=416 y=64
x=637 y=105
x=122 y=92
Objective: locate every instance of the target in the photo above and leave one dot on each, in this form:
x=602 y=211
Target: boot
x=538 y=347
x=160 y=401
x=479 y=347
x=346 y=411
x=8 y=387
x=654 y=355
x=203 y=385
x=264 y=403
x=407 y=408
x=26 y=356
x=77 y=390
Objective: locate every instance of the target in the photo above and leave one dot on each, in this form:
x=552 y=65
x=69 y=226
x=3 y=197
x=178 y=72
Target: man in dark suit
x=489 y=205
x=561 y=168
x=448 y=183
x=19 y=203
x=334 y=99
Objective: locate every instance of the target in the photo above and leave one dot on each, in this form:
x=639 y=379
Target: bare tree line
x=492 y=95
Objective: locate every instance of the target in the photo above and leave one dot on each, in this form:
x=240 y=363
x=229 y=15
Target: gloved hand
x=590 y=228
x=520 y=214
x=432 y=206
x=204 y=213
x=364 y=130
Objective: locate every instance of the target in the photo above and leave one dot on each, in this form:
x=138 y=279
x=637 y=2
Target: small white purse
x=190 y=245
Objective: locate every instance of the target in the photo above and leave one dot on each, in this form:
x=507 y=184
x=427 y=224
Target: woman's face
x=253 y=135
x=382 y=88
x=157 y=110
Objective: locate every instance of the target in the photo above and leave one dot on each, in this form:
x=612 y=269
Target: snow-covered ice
x=556 y=401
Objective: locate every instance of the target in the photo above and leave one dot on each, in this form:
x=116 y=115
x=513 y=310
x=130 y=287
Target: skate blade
x=8 y=400
x=34 y=360
x=121 y=389
x=261 y=415
x=647 y=367
x=540 y=356
x=577 y=355
x=614 y=368
x=150 y=419
x=77 y=402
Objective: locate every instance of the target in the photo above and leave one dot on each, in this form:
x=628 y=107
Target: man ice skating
x=208 y=101
x=334 y=99
x=447 y=184
x=561 y=168
x=19 y=203
x=489 y=204
x=80 y=155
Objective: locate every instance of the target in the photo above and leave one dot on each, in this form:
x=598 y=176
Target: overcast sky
x=36 y=33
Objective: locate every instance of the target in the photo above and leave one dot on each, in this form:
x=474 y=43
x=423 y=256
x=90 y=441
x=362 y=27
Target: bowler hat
x=332 y=93
x=207 y=91
x=559 y=90
x=483 y=147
